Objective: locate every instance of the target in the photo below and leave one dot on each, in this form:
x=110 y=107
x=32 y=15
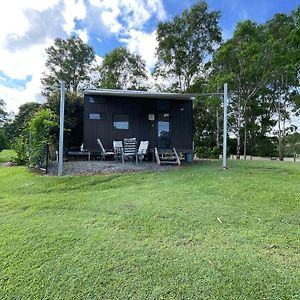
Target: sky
x=28 y=27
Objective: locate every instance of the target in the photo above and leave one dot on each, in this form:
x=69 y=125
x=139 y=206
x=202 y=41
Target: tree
x=207 y=117
x=3 y=116
x=244 y=62
x=123 y=70
x=20 y=123
x=73 y=117
x=40 y=126
x=69 y=60
x=284 y=73
x=293 y=144
x=3 y=112
x=185 y=43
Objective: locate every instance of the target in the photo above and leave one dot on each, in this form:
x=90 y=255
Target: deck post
x=61 y=129
x=225 y=128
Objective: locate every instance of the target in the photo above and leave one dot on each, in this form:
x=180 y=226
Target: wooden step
x=169 y=162
x=167 y=156
x=168 y=159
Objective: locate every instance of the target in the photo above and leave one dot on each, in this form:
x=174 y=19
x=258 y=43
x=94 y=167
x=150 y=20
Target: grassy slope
x=6 y=155
x=152 y=236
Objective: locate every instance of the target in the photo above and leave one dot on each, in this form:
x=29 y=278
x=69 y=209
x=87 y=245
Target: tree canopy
x=3 y=112
x=185 y=42
x=123 y=70
x=69 y=60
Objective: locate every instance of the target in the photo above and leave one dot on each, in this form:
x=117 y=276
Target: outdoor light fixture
x=151 y=117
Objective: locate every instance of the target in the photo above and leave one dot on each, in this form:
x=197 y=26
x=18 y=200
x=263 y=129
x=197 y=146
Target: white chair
x=104 y=153
x=143 y=149
x=129 y=149
x=118 y=149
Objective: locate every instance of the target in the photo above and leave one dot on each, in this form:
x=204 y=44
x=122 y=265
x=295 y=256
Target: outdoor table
x=80 y=153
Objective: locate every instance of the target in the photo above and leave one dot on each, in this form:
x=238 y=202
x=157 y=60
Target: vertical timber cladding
x=138 y=109
x=182 y=125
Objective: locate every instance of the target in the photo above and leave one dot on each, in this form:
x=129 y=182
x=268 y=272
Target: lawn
x=195 y=232
x=6 y=155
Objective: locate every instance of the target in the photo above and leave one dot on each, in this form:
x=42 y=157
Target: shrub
x=207 y=152
x=39 y=127
x=3 y=140
x=20 y=145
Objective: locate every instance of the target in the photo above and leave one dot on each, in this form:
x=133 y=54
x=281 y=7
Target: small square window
x=121 y=121
x=97 y=116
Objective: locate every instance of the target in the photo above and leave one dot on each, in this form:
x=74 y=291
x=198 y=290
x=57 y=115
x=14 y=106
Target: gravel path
x=105 y=167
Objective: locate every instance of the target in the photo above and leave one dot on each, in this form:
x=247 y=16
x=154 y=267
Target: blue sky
x=104 y=24
x=232 y=11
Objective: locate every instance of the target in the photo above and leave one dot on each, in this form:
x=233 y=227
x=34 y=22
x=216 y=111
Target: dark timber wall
x=140 y=127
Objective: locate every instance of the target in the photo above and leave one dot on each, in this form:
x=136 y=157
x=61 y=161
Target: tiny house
x=163 y=119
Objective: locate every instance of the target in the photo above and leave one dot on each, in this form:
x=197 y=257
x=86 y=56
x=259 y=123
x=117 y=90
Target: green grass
x=7 y=155
x=152 y=235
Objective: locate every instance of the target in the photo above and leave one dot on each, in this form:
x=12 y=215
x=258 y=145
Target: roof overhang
x=139 y=94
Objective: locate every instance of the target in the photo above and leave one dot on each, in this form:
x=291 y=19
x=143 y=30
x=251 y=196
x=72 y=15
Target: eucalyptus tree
x=70 y=60
x=123 y=70
x=3 y=112
x=283 y=81
x=244 y=62
x=186 y=43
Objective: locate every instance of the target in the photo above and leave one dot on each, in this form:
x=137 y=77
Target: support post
x=61 y=129
x=225 y=128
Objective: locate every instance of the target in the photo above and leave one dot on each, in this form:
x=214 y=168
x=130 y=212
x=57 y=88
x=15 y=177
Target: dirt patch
x=105 y=167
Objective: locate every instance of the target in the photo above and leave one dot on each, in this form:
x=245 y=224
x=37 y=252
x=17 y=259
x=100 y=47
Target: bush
x=40 y=126
x=207 y=152
x=3 y=140
x=20 y=146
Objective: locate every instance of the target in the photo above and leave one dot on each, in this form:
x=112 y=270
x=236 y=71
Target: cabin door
x=163 y=131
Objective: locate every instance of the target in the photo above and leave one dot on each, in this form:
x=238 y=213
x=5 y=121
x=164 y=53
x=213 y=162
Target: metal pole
x=225 y=128
x=61 y=129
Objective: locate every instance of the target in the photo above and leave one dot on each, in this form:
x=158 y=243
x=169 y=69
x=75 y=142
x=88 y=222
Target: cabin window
x=97 y=116
x=121 y=121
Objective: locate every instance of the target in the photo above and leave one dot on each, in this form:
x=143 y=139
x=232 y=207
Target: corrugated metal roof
x=139 y=94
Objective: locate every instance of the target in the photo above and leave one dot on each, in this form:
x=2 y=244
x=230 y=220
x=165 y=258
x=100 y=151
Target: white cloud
x=120 y=16
x=73 y=9
x=23 y=42
x=28 y=27
x=126 y=19
x=83 y=34
x=15 y=97
x=144 y=44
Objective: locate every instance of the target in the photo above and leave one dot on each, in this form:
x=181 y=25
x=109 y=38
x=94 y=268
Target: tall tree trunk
x=218 y=129
x=280 y=138
x=238 y=146
x=245 y=140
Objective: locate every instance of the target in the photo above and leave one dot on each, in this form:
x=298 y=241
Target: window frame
x=113 y=121
x=102 y=116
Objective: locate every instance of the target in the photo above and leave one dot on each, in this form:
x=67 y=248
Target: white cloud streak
x=23 y=43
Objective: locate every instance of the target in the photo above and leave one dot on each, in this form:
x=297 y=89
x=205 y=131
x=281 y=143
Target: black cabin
x=163 y=119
